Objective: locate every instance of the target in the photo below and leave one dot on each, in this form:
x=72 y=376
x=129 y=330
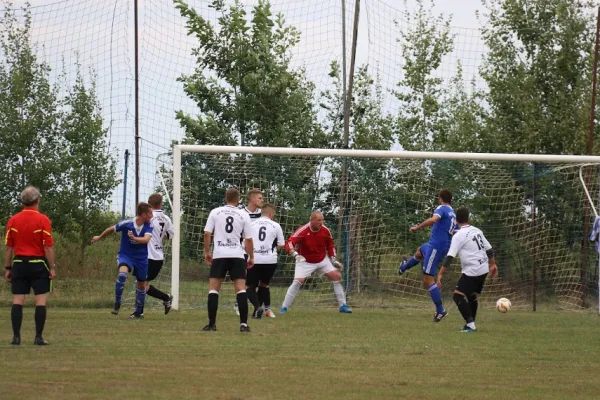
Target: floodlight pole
x=137 y=105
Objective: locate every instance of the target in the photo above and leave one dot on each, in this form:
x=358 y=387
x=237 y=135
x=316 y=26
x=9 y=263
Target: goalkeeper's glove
x=299 y=258
x=337 y=264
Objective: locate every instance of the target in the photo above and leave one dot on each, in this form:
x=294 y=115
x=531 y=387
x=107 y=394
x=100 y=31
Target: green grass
x=306 y=354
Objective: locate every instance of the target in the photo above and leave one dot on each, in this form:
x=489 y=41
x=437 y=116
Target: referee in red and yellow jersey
x=29 y=260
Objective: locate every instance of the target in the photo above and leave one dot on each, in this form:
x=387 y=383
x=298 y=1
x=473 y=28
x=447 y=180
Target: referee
x=29 y=260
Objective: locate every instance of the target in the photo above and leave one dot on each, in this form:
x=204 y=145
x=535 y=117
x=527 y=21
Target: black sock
x=40 y=320
x=154 y=292
x=213 y=305
x=16 y=316
x=264 y=296
x=473 y=305
x=253 y=297
x=260 y=293
x=242 y=300
x=463 y=307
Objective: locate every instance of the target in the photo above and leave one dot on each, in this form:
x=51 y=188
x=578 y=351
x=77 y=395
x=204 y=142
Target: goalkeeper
x=310 y=245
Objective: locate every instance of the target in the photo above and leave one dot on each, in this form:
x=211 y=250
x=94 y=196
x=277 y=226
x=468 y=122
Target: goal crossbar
x=310 y=152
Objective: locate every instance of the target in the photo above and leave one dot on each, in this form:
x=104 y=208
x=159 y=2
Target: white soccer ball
x=503 y=305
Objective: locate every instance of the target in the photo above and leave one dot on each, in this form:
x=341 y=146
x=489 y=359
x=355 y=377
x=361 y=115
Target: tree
x=421 y=122
x=31 y=146
x=91 y=168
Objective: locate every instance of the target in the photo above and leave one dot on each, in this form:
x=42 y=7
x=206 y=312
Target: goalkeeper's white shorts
x=305 y=269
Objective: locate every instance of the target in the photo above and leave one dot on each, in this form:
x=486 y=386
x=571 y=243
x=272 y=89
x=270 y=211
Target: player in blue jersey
x=434 y=251
x=133 y=255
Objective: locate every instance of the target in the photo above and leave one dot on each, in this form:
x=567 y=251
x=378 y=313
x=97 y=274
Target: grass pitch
x=306 y=354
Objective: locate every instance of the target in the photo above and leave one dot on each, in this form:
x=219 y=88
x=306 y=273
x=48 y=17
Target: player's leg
x=20 y=286
x=431 y=259
x=302 y=271
x=41 y=288
x=405 y=265
x=335 y=276
x=216 y=277
x=264 y=292
x=141 y=275
x=124 y=266
x=154 y=267
x=251 y=286
x=476 y=291
x=237 y=271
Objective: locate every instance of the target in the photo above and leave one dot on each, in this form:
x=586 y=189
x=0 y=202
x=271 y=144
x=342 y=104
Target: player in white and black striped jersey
x=267 y=239
x=228 y=224
x=163 y=229
x=476 y=260
x=254 y=210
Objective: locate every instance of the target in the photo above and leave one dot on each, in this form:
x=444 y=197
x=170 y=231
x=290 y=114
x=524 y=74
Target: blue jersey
x=441 y=233
x=135 y=251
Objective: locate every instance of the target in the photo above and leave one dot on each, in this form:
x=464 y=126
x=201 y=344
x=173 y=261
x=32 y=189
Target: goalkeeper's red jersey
x=314 y=246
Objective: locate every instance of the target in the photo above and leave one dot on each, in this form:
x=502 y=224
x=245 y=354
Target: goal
x=534 y=209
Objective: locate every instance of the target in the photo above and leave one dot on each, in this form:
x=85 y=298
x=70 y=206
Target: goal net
x=533 y=210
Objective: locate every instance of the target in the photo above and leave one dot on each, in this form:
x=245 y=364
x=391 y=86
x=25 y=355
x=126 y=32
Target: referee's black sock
x=242 y=300
x=40 y=320
x=154 y=292
x=16 y=316
x=213 y=305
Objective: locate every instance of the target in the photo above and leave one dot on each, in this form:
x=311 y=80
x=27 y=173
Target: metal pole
x=590 y=150
x=343 y=216
x=125 y=184
x=137 y=104
x=534 y=252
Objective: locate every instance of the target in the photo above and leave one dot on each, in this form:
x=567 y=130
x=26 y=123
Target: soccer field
x=306 y=354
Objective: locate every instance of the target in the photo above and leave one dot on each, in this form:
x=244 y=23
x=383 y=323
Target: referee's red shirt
x=28 y=232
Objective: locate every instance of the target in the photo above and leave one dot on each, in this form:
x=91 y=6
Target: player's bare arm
x=425 y=224
x=207 y=253
x=492 y=262
x=249 y=246
x=107 y=231
x=141 y=240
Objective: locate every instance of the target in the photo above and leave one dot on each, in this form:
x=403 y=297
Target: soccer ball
x=503 y=305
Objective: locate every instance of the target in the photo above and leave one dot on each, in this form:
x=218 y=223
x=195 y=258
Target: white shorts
x=305 y=269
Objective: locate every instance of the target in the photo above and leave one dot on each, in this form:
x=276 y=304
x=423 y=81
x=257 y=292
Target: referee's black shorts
x=221 y=266
x=30 y=273
x=154 y=267
x=260 y=273
x=470 y=284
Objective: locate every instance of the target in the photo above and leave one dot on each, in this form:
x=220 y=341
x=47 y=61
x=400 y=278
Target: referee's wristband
x=8 y=267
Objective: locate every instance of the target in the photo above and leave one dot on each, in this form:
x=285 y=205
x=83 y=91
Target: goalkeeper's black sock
x=242 y=300
x=213 y=305
x=463 y=307
x=154 y=292
x=473 y=303
x=16 y=317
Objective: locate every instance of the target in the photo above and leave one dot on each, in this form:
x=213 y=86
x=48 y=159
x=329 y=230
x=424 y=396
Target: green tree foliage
x=91 y=169
x=57 y=145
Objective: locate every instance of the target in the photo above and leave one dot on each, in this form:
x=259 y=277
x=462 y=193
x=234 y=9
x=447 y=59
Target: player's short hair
x=142 y=208
x=267 y=207
x=232 y=195
x=30 y=196
x=462 y=215
x=155 y=200
x=445 y=195
x=253 y=192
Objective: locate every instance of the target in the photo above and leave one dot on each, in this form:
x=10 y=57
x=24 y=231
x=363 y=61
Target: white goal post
x=571 y=160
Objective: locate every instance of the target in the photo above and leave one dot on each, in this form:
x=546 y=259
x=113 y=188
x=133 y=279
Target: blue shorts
x=139 y=268
x=431 y=258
